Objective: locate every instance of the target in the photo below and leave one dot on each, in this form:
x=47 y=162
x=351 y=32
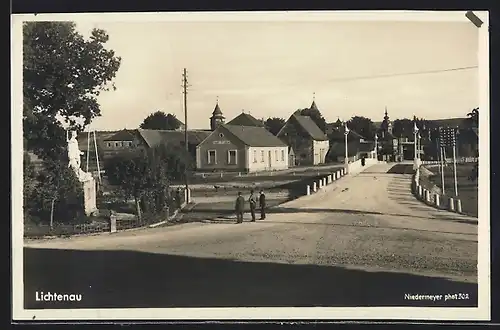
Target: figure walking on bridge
x=239 y=208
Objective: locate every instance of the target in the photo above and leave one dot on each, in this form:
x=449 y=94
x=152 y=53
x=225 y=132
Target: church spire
x=217 y=111
x=217 y=116
x=313 y=104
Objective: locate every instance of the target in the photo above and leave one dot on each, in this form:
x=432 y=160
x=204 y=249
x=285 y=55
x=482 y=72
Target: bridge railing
x=430 y=194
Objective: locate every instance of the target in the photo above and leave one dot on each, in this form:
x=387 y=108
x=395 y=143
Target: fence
x=460 y=160
x=33 y=231
x=324 y=181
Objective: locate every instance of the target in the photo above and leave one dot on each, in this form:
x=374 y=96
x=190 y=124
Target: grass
x=205 y=211
x=467 y=189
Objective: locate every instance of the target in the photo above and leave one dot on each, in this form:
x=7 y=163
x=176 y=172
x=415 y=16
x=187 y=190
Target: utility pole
x=184 y=91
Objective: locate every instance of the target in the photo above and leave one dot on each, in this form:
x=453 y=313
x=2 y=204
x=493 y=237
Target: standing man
x=239 y=208
x=253 y=204
x=262 y=204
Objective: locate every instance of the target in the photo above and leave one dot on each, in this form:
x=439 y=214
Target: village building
x=246 y=119
x=217 y=117
x=241 y=149
x=309 y=143
x=143 y=139
x=357 y=145
x=389 y=147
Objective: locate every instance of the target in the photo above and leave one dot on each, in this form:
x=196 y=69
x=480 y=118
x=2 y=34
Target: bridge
x=361 y=241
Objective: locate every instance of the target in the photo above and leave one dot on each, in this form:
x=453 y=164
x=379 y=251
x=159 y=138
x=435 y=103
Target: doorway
x=269 y=156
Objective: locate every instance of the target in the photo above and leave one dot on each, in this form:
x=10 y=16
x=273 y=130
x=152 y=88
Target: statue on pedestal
x=87 y=180
x=74 y=155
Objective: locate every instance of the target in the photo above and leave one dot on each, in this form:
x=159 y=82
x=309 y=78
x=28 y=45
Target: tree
x=159 y=120
x=145 y=175
x=62 y=75
x=403 y=128
x=274 y=124
x=57 y=195
x=473 y=117
x=316 y=116
x=363 y=126
x=29 y=183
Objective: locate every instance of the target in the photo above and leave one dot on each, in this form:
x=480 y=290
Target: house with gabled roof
x=246 y=119
x=128 y=139
x=242 y=149
x=309 y=143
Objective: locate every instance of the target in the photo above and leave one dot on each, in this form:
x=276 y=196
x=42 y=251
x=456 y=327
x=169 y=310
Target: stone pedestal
x=187 y=196
x=112 y=223
x=89 y=195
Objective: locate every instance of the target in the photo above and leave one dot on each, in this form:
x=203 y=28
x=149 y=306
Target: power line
x=403 y=74
x=369 y=77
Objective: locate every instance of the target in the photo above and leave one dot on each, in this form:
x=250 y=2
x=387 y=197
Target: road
x=362 y=241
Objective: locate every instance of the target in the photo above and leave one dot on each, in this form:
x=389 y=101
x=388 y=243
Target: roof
x=217 y=111
x=123 y=135
x=101 y=136
x=156 y=137
x=245 y=119
x=313 y=106
x=310 y=127
x=387 y=135
x=338 y=148
x=338 y=134
x=254 y=136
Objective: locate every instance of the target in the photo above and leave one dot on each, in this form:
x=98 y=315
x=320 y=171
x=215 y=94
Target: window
x=255 y=156
x=231 y=157
x=282 y=155
x=276 y=155
x=108 y=144
x=212 y=157
x=117 y=144
x=262 y=156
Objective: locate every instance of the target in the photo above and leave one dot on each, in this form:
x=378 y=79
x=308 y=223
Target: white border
x=317 y=313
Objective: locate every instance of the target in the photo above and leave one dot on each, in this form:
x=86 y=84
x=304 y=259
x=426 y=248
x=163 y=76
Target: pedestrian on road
x=262 y=205
x=239 y=207
x=253 y=204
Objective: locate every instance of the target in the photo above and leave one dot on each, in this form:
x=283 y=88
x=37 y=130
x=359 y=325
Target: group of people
x=252 y=200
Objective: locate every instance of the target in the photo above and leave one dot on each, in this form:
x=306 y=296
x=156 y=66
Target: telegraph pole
x=184 y=91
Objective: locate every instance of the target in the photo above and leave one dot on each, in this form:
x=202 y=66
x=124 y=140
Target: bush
x=145 y=176
x=53 y=194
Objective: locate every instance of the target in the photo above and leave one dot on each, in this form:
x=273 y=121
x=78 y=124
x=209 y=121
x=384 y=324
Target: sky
x=270 y=69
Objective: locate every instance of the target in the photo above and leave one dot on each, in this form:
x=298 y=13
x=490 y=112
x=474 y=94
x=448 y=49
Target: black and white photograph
x=251 y=165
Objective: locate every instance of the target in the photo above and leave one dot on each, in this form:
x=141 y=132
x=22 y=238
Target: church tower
x=217 y=117
x=386 y=125
x=313 y=106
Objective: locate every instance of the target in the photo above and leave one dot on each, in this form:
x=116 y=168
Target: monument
x=87 y=180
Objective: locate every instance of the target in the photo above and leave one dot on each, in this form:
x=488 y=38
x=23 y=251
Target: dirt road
x=362 y=241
